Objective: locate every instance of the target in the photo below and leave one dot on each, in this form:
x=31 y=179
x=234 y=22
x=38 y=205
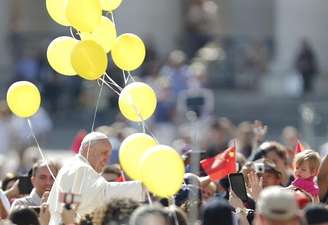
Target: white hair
x=92 y=137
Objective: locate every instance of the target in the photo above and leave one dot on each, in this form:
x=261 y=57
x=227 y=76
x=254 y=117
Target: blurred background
x=240 y=60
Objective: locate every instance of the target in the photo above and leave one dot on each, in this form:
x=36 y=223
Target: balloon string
x=112 y=16
x=126 y=78
x=108 y=85
x=130 y=76
x=123 y=176
x=136 y=110
x=40 y=151
x=113 y=82
x=98 y=82
x=72 y=33
x=149 y=198
x=97 y=104
x=153 y=136
x=143 y=126
x=176 y=221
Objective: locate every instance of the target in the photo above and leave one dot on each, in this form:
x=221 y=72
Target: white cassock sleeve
x=93 y=189
x=129 y=189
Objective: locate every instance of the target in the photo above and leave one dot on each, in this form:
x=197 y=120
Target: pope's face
x=99 y=154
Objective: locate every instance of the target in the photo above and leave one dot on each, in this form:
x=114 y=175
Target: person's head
x=217 y=210
x=218 y=134
x=316 y=214
x=193 y=179
x=4 y=110
x=274 y=152
x=245 y=133
x=277 y=206
x=290 y=136
x=96 y=148
x=208 y=191
x=115 y=212
x=176 y=58
x=270 y=174
x=188 y=195
x=177 y=215
x=111 y=172
x=245 y=136
x=8 y=181
x=306 y=164
x=41 y=178
x=149 y=215
x=24 y=216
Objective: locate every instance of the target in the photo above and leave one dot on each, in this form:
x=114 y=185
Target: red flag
x=299 y=147
x=78 y=140
x=220 y=165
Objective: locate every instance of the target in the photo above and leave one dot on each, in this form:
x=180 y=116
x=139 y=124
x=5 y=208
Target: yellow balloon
x=83 y=15
x=131 y=151
x=162 y=171
x=110 y=5
x=89 y=60
x=104 y=34
x=23 y=98
x=137 y=101
x=59 y=55
x=56 y=10
x=128 y=52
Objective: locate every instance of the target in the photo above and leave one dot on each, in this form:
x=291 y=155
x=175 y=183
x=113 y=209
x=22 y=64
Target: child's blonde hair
x=308 y=156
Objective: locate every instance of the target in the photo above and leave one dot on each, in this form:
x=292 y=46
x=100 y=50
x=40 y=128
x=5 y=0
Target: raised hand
x=254 y=185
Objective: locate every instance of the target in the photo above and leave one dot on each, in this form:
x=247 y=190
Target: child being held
x=306 y=168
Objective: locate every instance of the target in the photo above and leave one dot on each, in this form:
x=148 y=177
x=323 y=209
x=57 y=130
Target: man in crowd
x=42 y=182
x=277 y=206
x=82 y=176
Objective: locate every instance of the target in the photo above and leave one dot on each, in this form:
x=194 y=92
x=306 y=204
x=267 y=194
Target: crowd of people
x=286 y=183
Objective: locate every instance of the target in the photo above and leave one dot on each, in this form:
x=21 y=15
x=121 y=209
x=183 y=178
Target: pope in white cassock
x=82 y=175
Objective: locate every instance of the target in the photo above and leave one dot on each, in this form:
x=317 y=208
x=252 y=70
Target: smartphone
x=237 y=184
x=25 y=185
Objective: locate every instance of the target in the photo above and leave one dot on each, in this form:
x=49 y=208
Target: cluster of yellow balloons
x=88 y=57
x=159 y=167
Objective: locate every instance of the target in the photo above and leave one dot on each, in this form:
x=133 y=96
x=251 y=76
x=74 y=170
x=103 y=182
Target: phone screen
x=237 y=183
x=25 y=185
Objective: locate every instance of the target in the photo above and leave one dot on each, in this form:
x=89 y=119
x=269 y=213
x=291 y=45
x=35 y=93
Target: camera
x=69 y=199
x=259 y=167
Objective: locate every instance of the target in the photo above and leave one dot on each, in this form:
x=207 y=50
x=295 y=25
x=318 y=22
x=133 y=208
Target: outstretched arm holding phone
x=241 y=210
